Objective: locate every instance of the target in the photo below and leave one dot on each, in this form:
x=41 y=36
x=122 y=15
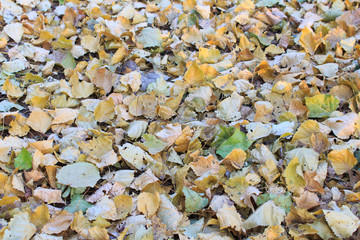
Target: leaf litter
x=191 y=119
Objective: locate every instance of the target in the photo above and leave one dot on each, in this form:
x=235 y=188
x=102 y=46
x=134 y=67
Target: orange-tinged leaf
x=58 y=223
x=39 y=120
x=3 y=42
x=236 y=158
x=119 y=55
x=342 y=160
x=205 y=164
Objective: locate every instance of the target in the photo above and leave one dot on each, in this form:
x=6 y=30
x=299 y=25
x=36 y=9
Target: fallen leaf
x=15 y=31
x=237 y=140
x=321 y=105
x=23 y=160
x=267 y=214
x=309 y=40
x=20 y=227
x=342 y=160
x=229 y=218
x=39 y=120
x=58 y=223
x=193 y=201
x=148 y=203
x=48 y=195
x=342 y=221
x=79 y=174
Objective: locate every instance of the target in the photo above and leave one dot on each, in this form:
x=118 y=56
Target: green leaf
x=225 y=133
x=321 y=105
x=68 y=61
x=6 y=105
x=283 y=201
x=32 y=78
x=153 y=144
x=78 y=204
x=192 y=19
x=266 y=3
x=237 y=140
x=193 y=201
x=197 y=103
x=23 y=160
x=150 y=37
x=331 y=15
x=263 y=40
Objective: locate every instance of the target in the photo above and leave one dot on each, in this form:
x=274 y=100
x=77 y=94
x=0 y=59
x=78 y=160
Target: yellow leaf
x=81 y=89
x=98 y=233
x=18 y=126
x=309 y=40
x=20 y=227
x=40 y=101
x=64 y=115
x=236 y=158
x=102 y=78
x=294 y=181
x=39 y=120
x=101 y=222
x=304 y=132
x=269 y=171
x=207 y=55
x=40 y=216
x=131 y=79
x=282 y=87
x=225 y=82
x=6 y=200
x=342 y=221
x=342 y=160
x=124 y=205
x=165 y=112
x=105 y=110
x=12 y=90
x=264 y=111
x=148 y=203
x=119 y=55
x=90 y=43
x=194 y=75
x=209 y=70
x=3 y=42
x=81 y=224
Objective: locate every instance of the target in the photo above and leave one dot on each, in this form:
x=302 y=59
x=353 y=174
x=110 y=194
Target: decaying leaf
x=179 y=119
x=342 y=221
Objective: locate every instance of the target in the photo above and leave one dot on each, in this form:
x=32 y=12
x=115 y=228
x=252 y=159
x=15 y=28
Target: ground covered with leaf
x=179 y=119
